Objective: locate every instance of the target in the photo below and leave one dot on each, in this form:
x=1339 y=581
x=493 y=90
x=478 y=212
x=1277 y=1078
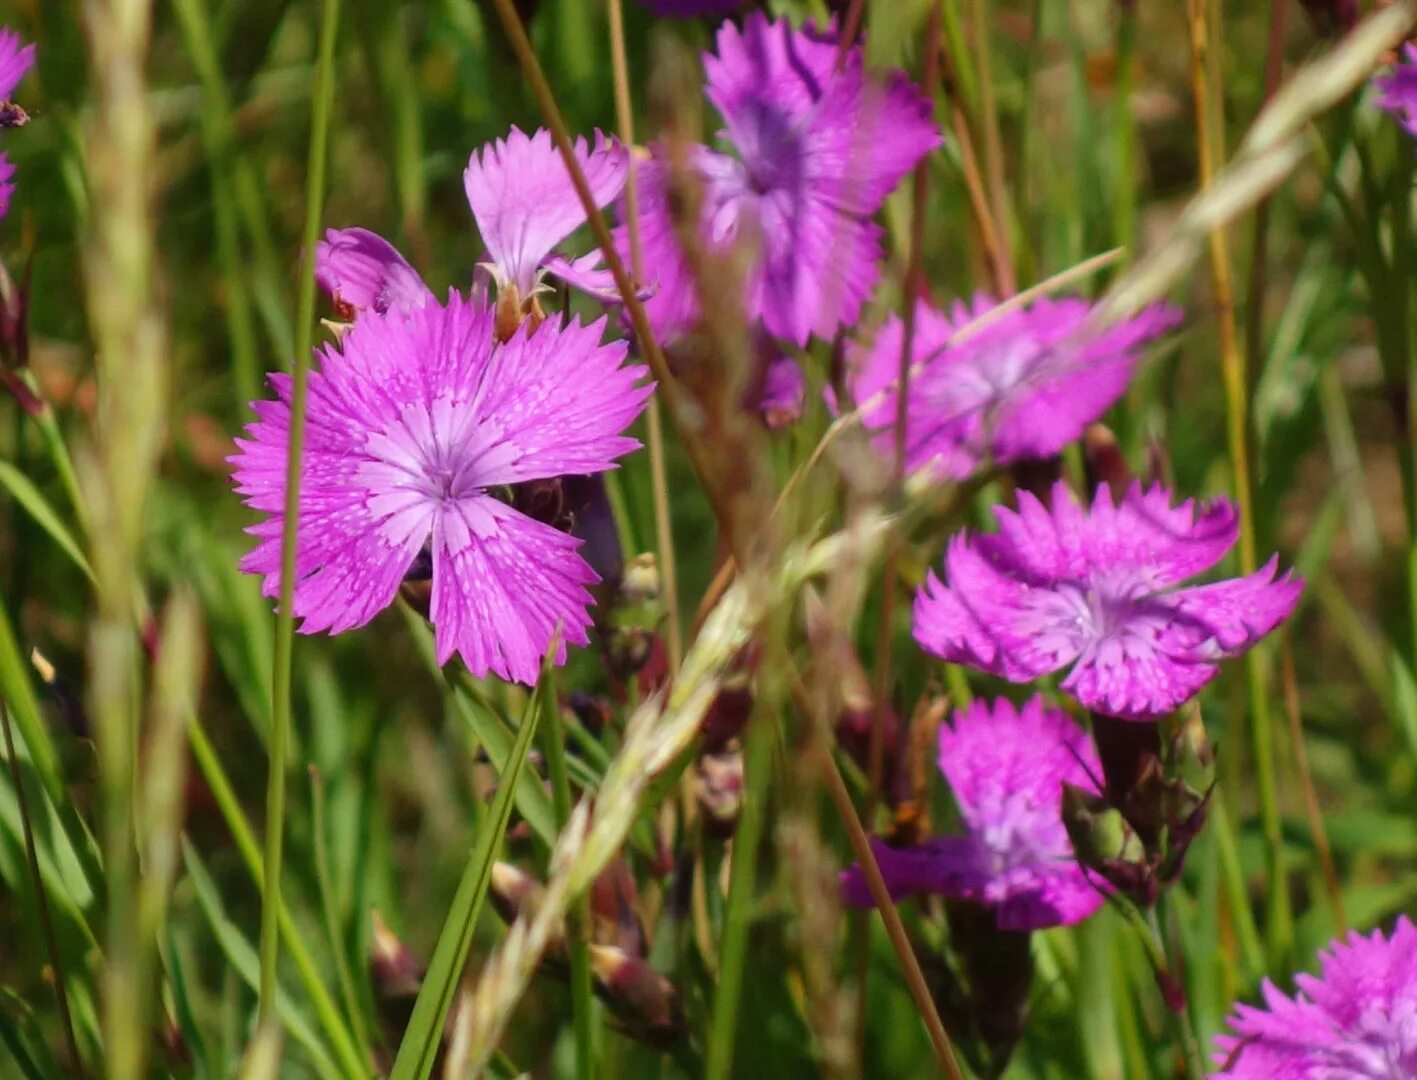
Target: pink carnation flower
x=1097 y=591
x=1355 y=1021
x=1397 y=90
x=15 y=62
x=1022 y=386
x=364 y=271
x=413 y=421
x=1006 y=768
x=816 y=152
x=525 y=204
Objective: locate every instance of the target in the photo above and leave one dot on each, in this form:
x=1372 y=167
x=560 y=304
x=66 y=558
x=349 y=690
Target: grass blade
x=243 y=959
x=425 y=1026
x=22 y=489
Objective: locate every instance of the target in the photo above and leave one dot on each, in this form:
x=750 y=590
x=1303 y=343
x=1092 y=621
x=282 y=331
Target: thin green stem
x=733 y=944
x=993 y=142
x=1160 y=952
x=1399 y=299
x=1279 y=922
x=654 y=420
x=217 y=133
x=285 y=618
x=1236 y=890
x=1259 y=257
x=1124 y=188
x=343 y=971
x=224 y=795
x=553 y=746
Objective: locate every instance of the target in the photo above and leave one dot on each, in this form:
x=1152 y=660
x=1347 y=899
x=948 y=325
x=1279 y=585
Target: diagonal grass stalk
x=285 y=617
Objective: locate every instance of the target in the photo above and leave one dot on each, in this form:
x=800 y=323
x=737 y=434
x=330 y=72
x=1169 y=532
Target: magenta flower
x=1097 y=591
x=1006 y=768
x=1356 y=1020
x=362 y=270
x=15 y=62
x=1023 y=385
x=525 y=204
x=816 y=150
x=1397 y=90
x=413 y=422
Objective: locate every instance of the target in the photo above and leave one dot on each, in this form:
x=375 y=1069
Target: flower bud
x=395 y=972
x=720 y=790
x=1105 y=842
x=642 y=999
x=1106 y=464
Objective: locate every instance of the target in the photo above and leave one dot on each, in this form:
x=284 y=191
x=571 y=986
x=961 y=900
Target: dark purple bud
x=12 y=116
x=1129 y=751
x=1105 y=461
x=69 y=704
x=643 y=1000
x=395 y=972
x=614 y=908
x=1037 y=476
x=997 y=970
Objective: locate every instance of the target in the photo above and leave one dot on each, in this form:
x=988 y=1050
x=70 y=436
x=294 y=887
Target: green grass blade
x=211 y=769
x=242 y=957
x=487 y=727
x=582 y=991
x=22 y=489
x=16 y=688
x=425 y=1026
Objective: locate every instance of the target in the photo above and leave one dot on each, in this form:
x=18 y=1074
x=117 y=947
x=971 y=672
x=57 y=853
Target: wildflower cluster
x=428 y=417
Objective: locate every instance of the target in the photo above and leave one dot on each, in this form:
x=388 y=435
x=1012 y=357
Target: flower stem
x=285 y=618
x=1124 y=192
x=993 y=143
x=1203 y=32
x=654 y=421
x=553 y=745
x=732 y=949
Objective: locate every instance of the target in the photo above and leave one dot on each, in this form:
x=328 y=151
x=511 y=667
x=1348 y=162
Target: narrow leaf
x=425 y=1027
x=37 y=506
